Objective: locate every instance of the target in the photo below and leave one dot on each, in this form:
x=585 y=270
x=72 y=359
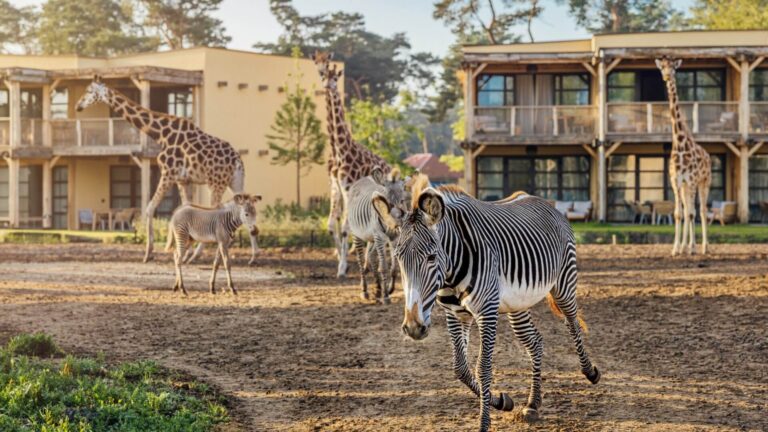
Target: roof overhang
x=148 y=73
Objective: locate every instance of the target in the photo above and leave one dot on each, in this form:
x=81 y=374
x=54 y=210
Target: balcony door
x=125 y=190
x=61 y=197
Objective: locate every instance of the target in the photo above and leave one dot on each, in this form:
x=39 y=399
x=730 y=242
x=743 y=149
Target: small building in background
x=437 y=171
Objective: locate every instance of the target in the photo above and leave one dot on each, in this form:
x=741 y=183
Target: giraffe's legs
x=684 y=207
x=162 y=188
x=703 y=197
x=531 y=340
x=689 y=206
x=678 y=214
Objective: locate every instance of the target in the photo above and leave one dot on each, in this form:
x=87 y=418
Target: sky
x=249 y=21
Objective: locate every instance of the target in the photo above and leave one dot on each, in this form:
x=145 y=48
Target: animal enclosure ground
x=681 y=342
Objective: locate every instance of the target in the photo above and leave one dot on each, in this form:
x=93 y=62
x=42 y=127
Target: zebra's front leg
x=254 y=234
x=212 y=282
x=531 y=340
x=380 y=245
x=459 y=328
x=224 y=251
x=372 y=266
x=359 y=246
x=177 y=260
x=486 y=324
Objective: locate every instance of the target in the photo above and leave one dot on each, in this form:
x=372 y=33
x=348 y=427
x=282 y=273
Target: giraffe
x=322 y=61
x=352 y=161
x=188 y=155
x=690 y=168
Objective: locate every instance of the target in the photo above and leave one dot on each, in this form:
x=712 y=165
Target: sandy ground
x=682 y=343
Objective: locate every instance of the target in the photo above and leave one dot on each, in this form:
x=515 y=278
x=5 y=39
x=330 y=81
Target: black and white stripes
x=480 y=259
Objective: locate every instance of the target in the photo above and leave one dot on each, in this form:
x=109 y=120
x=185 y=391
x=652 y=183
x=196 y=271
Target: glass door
x=60 y=197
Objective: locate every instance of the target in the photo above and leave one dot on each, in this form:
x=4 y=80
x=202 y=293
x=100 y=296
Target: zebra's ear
x=239 y=199
x=377 y=175
x=383 y=208
x=677 y=63
x=432 y=205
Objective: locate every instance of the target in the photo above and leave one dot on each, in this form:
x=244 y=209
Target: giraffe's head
x=246 y=207
x=97 y=91
x=322 y=60
x=668 y=66
x=333 y=76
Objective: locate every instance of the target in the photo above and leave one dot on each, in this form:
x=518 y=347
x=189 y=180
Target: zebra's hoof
x=386 y=301
x=594 y=376
x=148 y=258
x=530 y=414
x=507 y=404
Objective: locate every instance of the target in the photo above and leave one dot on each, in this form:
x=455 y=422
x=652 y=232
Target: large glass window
x=557 y=178
x=758 y=85
x=495 y=90
x=4 y=212
x=758 y=185
x=32 y=103
x=5 y=107
x=180 y=103
x=60 y=104
x=125 y=190
x=30 y=194
x=60 y=197
x=701 y=85
x=635 y=178
x=622 y=87
x=572 y=89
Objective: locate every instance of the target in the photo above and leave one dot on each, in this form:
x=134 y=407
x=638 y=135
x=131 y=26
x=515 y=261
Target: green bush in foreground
x=81 y=394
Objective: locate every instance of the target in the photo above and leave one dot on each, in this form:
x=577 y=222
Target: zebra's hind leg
x=360 y=246
x=178 y=254
x=531 y=340
x=212 y=282
x=564 y=295
x=371 y=266
x=224 y=251
x=379 y=244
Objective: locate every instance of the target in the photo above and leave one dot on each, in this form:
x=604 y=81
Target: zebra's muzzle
x=416 y=331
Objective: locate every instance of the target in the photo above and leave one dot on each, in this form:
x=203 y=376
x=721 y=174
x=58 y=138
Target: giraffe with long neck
x=322 y=62
x=188 y=155
x=690 y=169
x=352 y=162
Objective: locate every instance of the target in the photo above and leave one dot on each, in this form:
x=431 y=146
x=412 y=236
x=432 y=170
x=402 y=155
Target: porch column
x=744 y=101
x=602 y=187
x=14 y=88
x=197 y=107
x=602 y=204
x=47 y=194
x=14 y=214
x=46 y=122
x=742 y=197
x=601 y=98
x=145 y=183
x=469 y=171
x=143 y=86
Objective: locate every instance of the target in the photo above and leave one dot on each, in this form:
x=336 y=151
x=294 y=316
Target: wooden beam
x=755 y=148
x=477 y=71
x=613 y=64
x=136 y=160
x=734 y=63
x=589 y=150
x=528 y=58
x=478 y=150
x=589 y=68
x=732 y=148
x=615 y=146
x=756 y=63
x=687 y=52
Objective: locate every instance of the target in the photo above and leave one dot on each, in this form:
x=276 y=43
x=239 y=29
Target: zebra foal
x=366 y=226
x=191 y=223
x=478 y=260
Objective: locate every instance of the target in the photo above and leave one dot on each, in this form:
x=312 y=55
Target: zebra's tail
x=559 y=313
x=169 y=243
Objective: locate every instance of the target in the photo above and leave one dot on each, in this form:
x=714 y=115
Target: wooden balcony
x=550 y=124
x=650 y=121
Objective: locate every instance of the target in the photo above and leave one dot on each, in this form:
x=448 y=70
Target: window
x=495 y=90
x=30 y=194
x=563 y=178
x=758 y=185
x=180 y=103
x=622 y=87
x=572 y=89
x=32 y=103
x=701 y=85
x=634 y=178
x=60 y=104
x=5 y=107
x=60 y=197
x=4 y=212
x=758 y=86
x=125 y=190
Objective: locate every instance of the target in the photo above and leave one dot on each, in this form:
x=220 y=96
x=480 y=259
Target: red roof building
x=429 y=164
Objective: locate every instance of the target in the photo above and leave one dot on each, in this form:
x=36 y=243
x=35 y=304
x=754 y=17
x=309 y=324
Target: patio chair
x=563 y=207
x=727 y=122
x=641 y=213
x=664 y=210
x=722 y=211
x=123 y=217
x=84 y=217
x=490 y=124
x=582 y=211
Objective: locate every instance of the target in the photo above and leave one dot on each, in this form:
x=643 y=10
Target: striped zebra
x=366 y=226
x=478 y=260
x=191 y=223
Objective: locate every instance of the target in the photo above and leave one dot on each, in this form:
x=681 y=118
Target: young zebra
x=191 y=223
x=366 y=226
x=477 y=260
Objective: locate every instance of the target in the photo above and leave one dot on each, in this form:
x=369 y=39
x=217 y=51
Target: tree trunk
x=298 y=174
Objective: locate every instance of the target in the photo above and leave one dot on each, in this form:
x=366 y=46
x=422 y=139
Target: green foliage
x=620 y=16
x=159 y=227
x=82 y=394
x=185 y=23
x=455 y=163
x=730 y=14
x=383 y=127
x=494 y=19
x=35 y=344
x=292 y=225
x=89 y=27
x=296 y=135
x=16 y=25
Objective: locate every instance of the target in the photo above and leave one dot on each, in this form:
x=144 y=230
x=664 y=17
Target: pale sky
x=249 y=21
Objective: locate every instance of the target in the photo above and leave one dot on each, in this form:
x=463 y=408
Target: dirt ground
x=682 y=343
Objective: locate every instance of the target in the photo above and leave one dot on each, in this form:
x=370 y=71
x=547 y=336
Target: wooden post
x=14 y=89
x=744 y=103
x=601 y=100
x=512 y=120
x=602 y=188
x=111 y=131
x=649 y=117
x=47 y=142
x=555 y=126
x=13 y=192
x=143 y=86
x=469 y=104
x=695 y=115
x=79 y=132
x=742 y=197
x=469 y=172
x=197 y=99
x=47 y=194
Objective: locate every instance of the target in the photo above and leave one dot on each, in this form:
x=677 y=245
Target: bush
x=85 y=394
x=159 y=227
x=36 y=344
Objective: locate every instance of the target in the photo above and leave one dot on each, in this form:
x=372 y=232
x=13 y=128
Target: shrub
x=36 y=344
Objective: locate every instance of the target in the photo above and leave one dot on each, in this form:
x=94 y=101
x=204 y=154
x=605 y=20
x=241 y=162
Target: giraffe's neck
x=331 y=128
x=152 y=123
x=341 y=134
x=679 y=126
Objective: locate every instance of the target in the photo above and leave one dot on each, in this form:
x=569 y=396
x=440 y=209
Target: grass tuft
x=35 y=344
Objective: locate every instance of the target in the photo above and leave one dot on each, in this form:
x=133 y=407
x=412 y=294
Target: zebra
x=478 y=260
x=210 y=225
x=366 y=226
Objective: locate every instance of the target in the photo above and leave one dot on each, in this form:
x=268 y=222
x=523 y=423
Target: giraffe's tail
x=559 y=313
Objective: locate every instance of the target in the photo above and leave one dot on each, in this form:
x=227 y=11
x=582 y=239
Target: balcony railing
x=31 y=131
x=5 y=131
x=758 y=117
x=536 y=121
x=653 y=117
x=94 y=132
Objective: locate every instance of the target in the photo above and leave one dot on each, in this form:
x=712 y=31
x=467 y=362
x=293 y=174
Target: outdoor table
x=97 y=217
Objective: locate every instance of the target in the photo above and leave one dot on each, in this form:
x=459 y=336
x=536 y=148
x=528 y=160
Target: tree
x=16 y=26
x=730 y=14
x=619 y=16
x=184 y=23
x=383 y=127
x=375 y=66
x=89 y=27
x=494 y=19
x=297 y=135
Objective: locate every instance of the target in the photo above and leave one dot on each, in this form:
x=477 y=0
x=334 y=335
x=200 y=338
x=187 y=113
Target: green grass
x=593 y=232
x=86 y=394
x=64 y=236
